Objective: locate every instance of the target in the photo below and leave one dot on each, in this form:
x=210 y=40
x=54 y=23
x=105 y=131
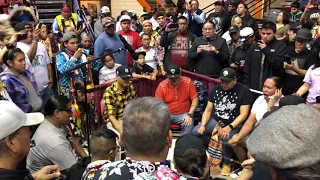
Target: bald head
x=237 y=21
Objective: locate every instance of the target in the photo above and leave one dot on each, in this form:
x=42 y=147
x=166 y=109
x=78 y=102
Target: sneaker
x=226 y=169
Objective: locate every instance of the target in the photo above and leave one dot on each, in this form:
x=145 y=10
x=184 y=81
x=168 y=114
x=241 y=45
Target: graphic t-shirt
x=227 y=102
x=39 y=64
x=179 y=51
x=146 y=69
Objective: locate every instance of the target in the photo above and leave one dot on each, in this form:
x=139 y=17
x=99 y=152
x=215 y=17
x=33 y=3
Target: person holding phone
x=298 y=62
x=177 y=43
x=195 y=16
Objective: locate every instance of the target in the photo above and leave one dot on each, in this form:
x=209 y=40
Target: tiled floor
x=170 y=157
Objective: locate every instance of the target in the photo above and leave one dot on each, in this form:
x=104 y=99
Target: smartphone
x=91 y=52
x=22 y=37
x=173 y=25
x=287 y=59
x=79 y=25
x=259 y=41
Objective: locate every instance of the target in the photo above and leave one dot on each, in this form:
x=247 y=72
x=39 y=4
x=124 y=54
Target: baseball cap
x=124 y=72
x=245 y=33
x=219 y=2
x=233 y=29
x=104 y=10
x=69 y=35
x=108 y=21
x=173 y=71
x=186 y=142
x=136 y=57
x=13 y=118
x=66 y=8
x=228 y=74
x=287 y=138
x=21 y=26
x=295 y=26
x=125 y=17
x=304 y=34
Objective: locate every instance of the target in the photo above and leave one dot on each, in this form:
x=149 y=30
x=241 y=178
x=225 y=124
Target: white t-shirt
x=106 y=74
x=260 y=107
x=39 y=64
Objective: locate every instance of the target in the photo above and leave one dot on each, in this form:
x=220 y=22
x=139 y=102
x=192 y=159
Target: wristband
x=273 y=98
x=203 y=125
x=296 y=94
x=34 y=41
x=231 y=127
x=191 y=115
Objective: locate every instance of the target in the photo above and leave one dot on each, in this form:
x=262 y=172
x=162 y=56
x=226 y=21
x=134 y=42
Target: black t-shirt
x=227 y=102
x=146 y=69
x=14 y=174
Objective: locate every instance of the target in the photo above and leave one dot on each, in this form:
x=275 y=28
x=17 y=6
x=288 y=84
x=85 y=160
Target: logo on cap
x=299 y=27
x=126 y=70
x=225 y=73
x=173 y=71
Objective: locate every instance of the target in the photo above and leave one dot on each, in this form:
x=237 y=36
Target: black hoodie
x=76 y=171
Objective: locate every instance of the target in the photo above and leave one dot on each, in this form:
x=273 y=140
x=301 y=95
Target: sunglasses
x=66 y=110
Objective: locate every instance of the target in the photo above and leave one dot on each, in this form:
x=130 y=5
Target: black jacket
x=15 y=174
x=239 y=53
x=273 y=63
x=209 y=63
x=76 y=171
x=167 y=39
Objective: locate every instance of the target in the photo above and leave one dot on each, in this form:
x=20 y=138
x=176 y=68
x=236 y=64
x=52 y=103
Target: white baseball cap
x=245 y=33
x=104 y=10
x=13 y=118
x=125 y=17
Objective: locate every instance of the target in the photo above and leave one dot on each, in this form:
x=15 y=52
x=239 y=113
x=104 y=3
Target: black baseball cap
x=233 y=29
x=173 y=71
x=296 y=26
x=124 y=72
x=219 y=2
x=304 y=34
x=186 y=142
x=228 y=74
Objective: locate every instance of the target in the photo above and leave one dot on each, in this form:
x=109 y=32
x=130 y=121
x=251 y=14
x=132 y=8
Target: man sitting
x=147 y=138
x=117 y=96
x=180 y=94
x=103 y=150
x=231 y=103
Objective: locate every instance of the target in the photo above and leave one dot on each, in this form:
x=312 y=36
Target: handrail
x=252 y=5
x=265 y=5
x=160 y=3
x=207 y=6
x=144 y=4
x=210 y=10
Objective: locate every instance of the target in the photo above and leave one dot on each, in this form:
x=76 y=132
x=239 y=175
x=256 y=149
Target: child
x=107 y=73
x=142 y=70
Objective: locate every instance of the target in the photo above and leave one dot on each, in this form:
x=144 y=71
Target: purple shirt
x=312 y=77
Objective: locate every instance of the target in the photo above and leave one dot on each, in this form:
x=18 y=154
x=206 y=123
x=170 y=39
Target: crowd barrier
x=145 y=87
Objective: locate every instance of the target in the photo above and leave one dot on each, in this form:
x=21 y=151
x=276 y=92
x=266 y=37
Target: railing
x=160 y=4
x=265 y=4
x=145 y=5
x=147 y=88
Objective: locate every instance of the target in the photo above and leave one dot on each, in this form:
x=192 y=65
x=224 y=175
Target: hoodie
x=295 y=17
x=76 y=171
x=17 y=89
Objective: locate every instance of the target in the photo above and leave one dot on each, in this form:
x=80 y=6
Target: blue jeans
x=178 y=119
x=227 y=150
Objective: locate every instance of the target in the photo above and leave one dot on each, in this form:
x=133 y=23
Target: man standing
x=180 y=94
x=117 y=96
x=147 y=138
x=177 y=44
x=265 y=58
x=66 y=18
x=220 y=18
x=195 y=16
x=234 y=32
x=237 y=21
x=295 y=13
x=110 y=41
x=15 y=143
x=98 y=27
x=40 y=61
x=231 y=102
x=130 y=36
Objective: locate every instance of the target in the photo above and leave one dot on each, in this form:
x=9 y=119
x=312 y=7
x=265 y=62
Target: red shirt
x=133 y=39
x=179 y=51
x=178 y=98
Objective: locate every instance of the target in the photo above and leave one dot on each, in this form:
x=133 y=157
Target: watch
x=191 y=115
x=231 y=127
x=273 y=98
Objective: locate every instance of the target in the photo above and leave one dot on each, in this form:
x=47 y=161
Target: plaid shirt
x=115 y=100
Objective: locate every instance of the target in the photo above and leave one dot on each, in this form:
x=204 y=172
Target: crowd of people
x=261 y=119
